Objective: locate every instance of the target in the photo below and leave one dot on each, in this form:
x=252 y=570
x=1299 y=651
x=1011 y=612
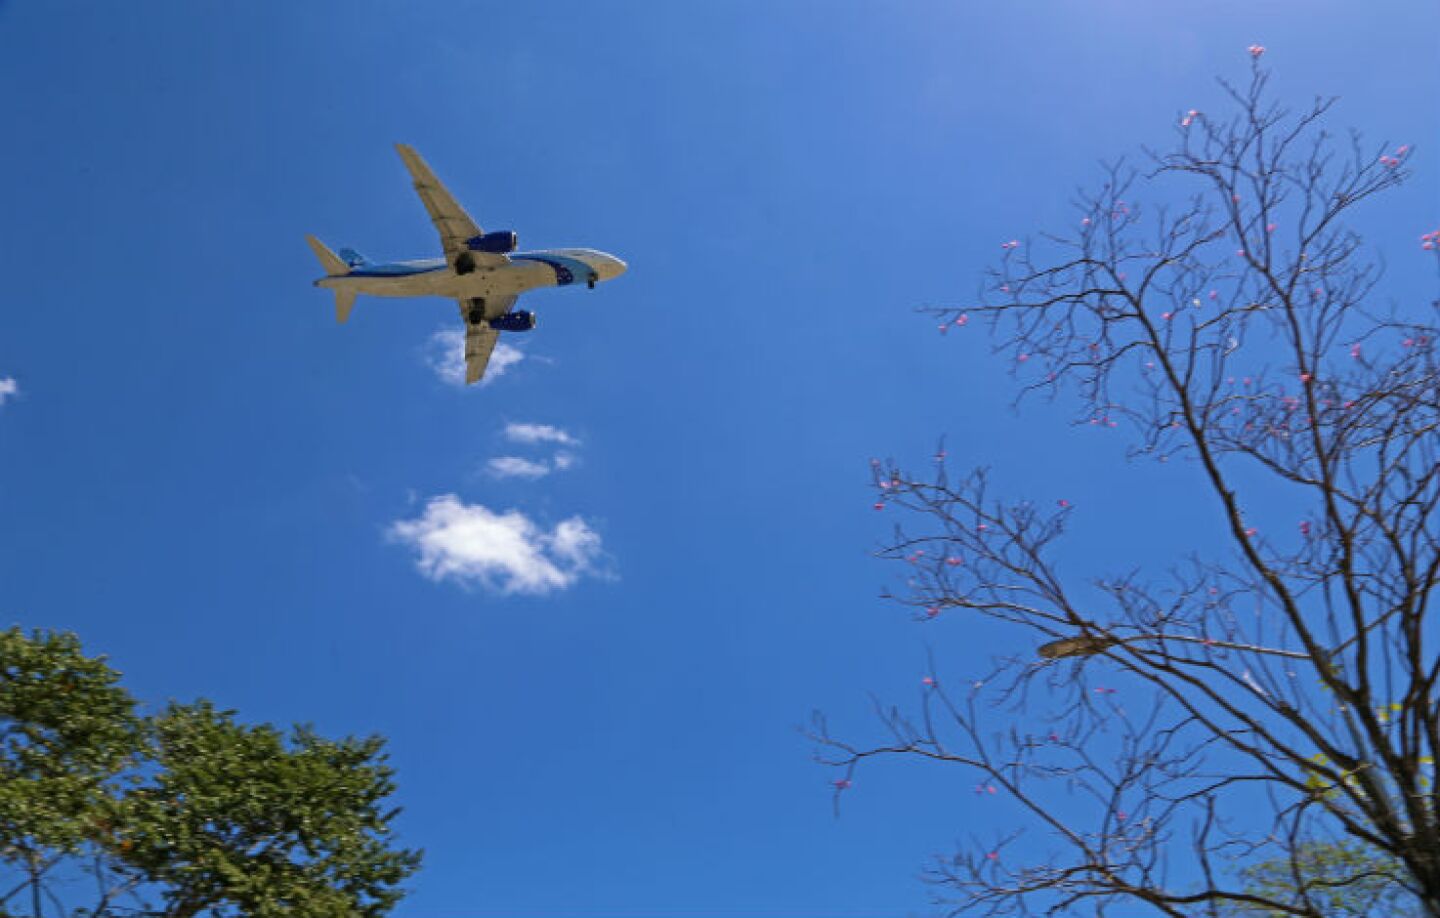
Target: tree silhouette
x=1280 y=696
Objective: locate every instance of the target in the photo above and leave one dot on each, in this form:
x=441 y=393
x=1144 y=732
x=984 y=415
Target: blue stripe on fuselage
x=399 y=269
x=567 y=270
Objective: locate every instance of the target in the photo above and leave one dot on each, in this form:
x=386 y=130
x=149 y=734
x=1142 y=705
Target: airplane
x=481 y=270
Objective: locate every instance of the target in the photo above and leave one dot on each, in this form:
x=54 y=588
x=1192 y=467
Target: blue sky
x=203 y=475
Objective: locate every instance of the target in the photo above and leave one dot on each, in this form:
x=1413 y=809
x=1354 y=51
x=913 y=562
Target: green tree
x=68 y=732
x=184 y=813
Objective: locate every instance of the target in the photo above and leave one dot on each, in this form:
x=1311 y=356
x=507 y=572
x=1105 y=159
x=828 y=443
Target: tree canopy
x=106 y=811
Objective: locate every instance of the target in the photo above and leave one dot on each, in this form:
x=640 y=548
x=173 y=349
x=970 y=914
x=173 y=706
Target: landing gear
x=464 y=263
x=591 y=282
x=476 y=314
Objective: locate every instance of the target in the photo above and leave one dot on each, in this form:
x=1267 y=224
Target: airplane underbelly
x=507 y=280
x=429 y=283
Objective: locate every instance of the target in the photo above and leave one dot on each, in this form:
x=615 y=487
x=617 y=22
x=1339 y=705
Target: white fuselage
x=519 y=272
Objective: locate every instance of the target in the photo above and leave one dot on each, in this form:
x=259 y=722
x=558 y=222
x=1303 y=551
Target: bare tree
x=1277 y=697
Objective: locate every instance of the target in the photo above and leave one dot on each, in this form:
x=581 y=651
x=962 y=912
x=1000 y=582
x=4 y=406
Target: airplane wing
x=479 y=342
x=480 y=338
x=451 y=221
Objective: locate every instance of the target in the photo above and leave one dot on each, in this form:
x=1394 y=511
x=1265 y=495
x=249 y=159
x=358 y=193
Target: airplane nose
x=612 y=267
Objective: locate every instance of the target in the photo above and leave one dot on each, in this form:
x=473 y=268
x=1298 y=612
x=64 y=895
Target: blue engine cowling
x=498 y=243
x=516 y=321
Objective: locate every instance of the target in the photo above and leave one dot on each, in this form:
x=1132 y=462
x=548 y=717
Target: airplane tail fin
x=334 y=267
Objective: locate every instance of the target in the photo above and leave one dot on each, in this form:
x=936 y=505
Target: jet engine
x=501 y=242
x=517 y=321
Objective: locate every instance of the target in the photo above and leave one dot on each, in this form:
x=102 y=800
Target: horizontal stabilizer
x=333 y=264
x=344 y=302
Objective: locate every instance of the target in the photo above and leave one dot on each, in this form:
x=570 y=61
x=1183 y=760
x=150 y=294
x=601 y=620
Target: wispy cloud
x=538 y=433
x=504 y=552
x=8 y=388
x=445 y=354
x=517 y=467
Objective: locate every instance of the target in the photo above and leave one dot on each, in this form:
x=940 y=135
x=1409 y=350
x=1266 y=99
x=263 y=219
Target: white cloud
x=445 y=354
x=517 y=467
x=501 y=359
x=564 y=460
x=506 y=552
x=538 y=433
x=8 y=388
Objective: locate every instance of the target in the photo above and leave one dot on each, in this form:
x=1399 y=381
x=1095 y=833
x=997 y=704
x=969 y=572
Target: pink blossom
x=1256 y=50
x=1012 y=244
x=927 y=681
x=993 y=855
x=1269 y=227
x=963 y=319
x=1235 y=198
x=1120 y=815
x=1063 y=502
x=1251 y=531
x=1402 y=149
x=944 y=328
x=1240 y=252
x=954 y=562
x=1407 y=342
x=879 y=505
x=842 y=784
x=1023 y=357
x=932 y=611
x=1305 y=377
x=1054 y=737
x=1085 y=221
x=1214 y=294
x=1166 y=316
x=1355 y=351
x=1305 y=528
x=1104 y=690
